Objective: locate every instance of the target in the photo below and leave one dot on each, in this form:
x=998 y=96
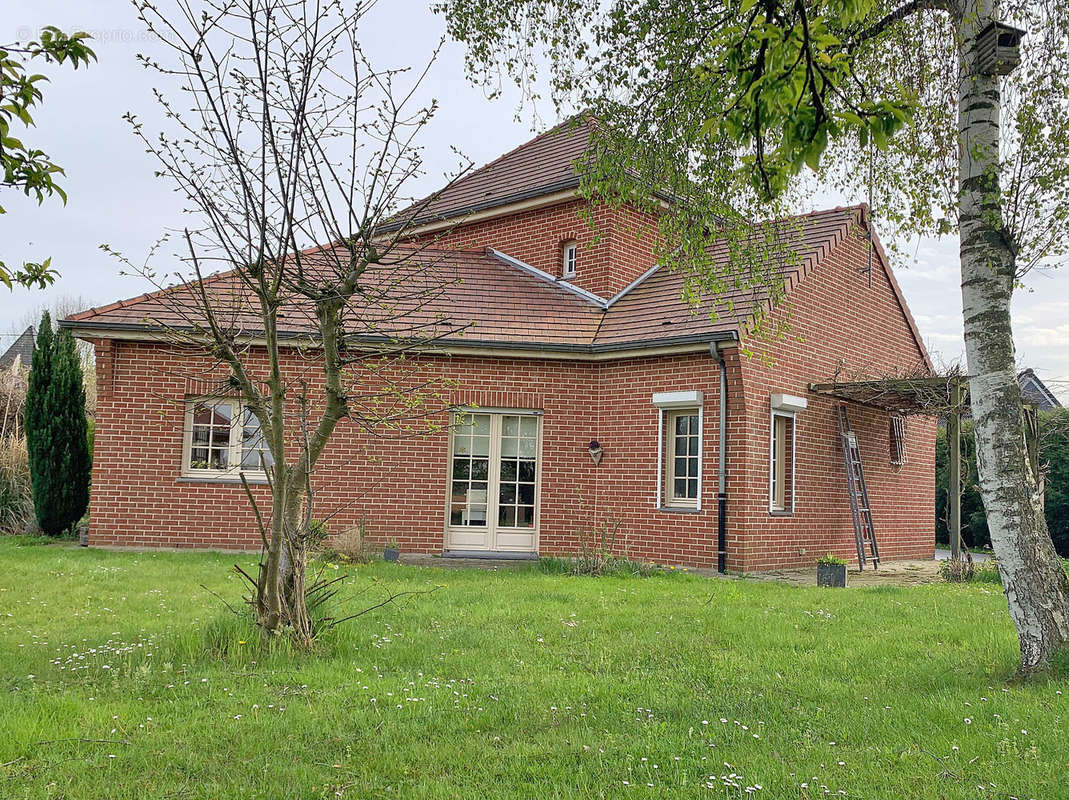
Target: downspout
x=721 y=493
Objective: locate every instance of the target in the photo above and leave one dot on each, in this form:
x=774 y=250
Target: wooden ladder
x=864 y=532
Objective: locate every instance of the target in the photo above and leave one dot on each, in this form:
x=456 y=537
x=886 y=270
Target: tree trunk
x=280 y=600
x=1035 y=584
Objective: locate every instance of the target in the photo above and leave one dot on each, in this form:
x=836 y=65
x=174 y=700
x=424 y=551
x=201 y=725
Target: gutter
x=131 y=331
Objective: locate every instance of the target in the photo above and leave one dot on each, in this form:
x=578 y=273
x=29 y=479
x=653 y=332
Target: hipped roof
x=469 y=298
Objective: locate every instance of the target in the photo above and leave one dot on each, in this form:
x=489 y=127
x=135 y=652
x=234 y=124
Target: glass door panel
x=470 y=472
x=517 y=470
x=493 y=482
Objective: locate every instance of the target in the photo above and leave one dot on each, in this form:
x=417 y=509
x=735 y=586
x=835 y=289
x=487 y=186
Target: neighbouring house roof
x=542 y=166
x=1034 y=391
x=486 y=299
x=21 y=350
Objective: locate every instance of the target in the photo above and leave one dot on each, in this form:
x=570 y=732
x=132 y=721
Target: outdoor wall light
x=595 y=451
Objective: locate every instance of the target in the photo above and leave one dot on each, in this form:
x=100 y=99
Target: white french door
x=494 y=476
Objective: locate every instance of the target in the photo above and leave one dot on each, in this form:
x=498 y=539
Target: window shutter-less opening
x=223 y=439
x=781 y=478
x=782 y=493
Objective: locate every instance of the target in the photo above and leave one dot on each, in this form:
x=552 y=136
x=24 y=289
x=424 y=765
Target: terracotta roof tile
x=465 y=296
x=545 y=164
x=472 y=298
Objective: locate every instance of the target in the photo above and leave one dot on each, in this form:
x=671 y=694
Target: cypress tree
x=56 y=432
x=39 y=379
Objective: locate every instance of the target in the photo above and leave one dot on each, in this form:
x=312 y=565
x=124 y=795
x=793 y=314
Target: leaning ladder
x=864 y=533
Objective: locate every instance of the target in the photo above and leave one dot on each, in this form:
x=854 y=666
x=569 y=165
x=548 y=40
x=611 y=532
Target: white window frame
x=788 y=502
x=234 y=470
x=569 y=259
x=492 y=528
x=667 y=403
x=897 y=433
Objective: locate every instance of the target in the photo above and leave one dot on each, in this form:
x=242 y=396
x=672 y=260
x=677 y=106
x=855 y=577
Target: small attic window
x=569 y=258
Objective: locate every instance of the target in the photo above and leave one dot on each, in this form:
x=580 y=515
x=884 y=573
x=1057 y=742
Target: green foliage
x=1054 y=459
x=973 y=519
x=832 y=560
x=57 y=437
x=730 y=104
x=598 y=556
x=1054 y=453
x=541 y=685
x=23 y=166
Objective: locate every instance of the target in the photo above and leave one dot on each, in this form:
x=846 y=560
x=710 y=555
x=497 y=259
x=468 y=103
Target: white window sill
x=254 y=480
x=680 y=510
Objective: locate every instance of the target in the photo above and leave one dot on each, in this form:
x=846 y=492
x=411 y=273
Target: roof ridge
x=417 y=211
x=516 y=149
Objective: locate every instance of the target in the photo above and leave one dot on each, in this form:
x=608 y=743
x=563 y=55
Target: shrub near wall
x=1053 y=455
x=16 y=497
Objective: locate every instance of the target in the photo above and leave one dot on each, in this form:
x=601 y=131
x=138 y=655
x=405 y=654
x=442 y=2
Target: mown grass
x=512 y=684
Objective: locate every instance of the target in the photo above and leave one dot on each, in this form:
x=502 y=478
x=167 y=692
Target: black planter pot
x=831 y=574
x=391 y=554
x=83 y=536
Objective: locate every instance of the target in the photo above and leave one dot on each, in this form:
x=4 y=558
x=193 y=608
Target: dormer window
x=569 y=257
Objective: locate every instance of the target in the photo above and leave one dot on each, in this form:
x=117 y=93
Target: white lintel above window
x=788 y=402
x=688 y=399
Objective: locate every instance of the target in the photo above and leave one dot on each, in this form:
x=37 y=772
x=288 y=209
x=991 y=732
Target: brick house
x=572 y=337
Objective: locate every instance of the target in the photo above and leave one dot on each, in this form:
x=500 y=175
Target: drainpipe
x=722 y=494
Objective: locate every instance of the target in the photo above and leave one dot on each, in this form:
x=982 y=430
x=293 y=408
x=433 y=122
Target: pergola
x=942 y=395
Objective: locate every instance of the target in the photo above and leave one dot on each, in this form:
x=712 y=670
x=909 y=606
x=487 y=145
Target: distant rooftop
x=21 y=350
x=1034 y=391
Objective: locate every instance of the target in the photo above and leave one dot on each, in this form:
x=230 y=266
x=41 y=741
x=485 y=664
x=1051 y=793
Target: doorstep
x=490 y=555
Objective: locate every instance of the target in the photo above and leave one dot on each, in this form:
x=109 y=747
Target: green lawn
x=513 y=684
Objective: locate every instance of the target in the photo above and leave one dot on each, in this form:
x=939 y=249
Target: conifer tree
x=56 y=432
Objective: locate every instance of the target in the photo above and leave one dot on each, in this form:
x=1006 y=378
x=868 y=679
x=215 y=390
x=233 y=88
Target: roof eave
x=88 y=329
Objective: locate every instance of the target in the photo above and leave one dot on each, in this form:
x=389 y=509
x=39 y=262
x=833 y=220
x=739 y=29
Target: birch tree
x=737 y=108
x=291 y=149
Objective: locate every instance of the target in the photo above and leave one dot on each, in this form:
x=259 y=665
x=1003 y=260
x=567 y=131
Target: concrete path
x=944 y=555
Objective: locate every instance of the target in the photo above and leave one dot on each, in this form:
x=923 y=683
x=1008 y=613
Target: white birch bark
x=1032 y=576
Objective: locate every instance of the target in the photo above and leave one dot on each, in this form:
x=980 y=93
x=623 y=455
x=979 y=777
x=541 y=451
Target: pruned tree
x=23 y=166
x=919 y=103
x=292 y=149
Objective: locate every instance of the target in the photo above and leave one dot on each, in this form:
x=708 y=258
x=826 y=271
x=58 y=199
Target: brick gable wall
x=615 y=244
x=838 y=326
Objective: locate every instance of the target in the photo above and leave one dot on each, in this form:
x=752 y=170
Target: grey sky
x=115 y=199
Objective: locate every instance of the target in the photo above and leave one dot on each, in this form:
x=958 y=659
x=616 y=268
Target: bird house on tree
x=999 y=48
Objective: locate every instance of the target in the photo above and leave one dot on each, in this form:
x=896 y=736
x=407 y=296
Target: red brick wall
x=615 y=245
x=399 y=484
x=837 y=325
x=397 y=480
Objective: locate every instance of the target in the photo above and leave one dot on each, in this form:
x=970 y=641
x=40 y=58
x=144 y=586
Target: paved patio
x=891 y=573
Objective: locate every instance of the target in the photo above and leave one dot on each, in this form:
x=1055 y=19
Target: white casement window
x=781 y=480
x=898 y=441
x=222 y=439
x=569 y=259
x=679 y=462
x=782 y=439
